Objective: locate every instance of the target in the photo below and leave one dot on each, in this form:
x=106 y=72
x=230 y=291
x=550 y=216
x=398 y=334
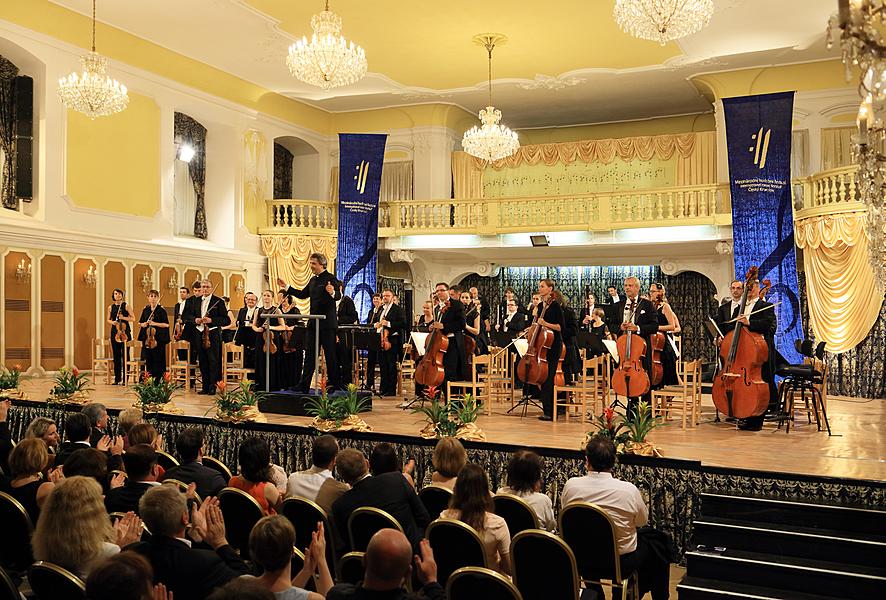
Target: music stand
x=267 y=333
x=364 y=337
x=526 y=400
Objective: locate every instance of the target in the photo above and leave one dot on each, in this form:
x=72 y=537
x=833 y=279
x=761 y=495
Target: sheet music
x=418 y=341
x=713 y=324
x=522 y=345
x=673 y=345
x=612 y=347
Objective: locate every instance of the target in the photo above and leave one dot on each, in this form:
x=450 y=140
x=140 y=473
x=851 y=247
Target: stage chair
x=233 y=370
x=516 y=512
x=304 y=516
x=15 y=551
x=470 y=583
x=351 y=568
x=586 y=388
x=102 y=359
x=688 y=393
x=479 y=384
x=407 y=365
x=8 y=589
x=214 y=463
x=590 y=534
x=455 y=545
x=435 y=498
x=365 y=522
x=241 y=512
x=181 y=370
x=133 y=364
x=500 y=378
x=537 y=551
x=808 y=377
x=51 y=582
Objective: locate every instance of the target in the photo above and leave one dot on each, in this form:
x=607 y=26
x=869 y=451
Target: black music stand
x=366 y=338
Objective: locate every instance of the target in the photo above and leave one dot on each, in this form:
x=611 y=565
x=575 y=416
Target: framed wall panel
x=192 y=275
x=85 y=304
x=52 y=312
x=143 y=281
x=168 y=283
x=234 y=280
x=17 y=304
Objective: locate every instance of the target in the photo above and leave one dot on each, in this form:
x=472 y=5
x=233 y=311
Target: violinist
x=587 y=312
x=178 y=333
x=119 y=319
x=229 y=330
x=533 y=304
x=426 y=318
x=668 y=324
x=553 y=319
x=503 y=305
x=291 y=352
x=633 y=313
x=372 y=355
x=482 y=306
x=207 y=315
x=729 y=309
x=474 y=325
x=258 y=328
x=245 y=336
x=450 y=317
x=760 y=319
x=391 y=321
x=154 y=317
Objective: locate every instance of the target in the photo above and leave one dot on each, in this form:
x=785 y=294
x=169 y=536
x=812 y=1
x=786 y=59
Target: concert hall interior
x=524 y=225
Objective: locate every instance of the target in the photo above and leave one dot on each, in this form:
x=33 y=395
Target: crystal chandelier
x=662 y=21
x=327 y=60
x=91 y=92
x=862 y=46
x=492 y=140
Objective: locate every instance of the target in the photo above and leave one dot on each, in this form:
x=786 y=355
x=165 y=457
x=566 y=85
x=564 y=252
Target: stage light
x=539 y=240
x=186 y=153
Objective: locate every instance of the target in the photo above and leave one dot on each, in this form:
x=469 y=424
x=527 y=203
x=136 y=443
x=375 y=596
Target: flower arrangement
x=155 y=395
x=10 y=379
x=453 y=417
x=338 y=413
x=237 y=404
x=70 y=386
x=627 y=432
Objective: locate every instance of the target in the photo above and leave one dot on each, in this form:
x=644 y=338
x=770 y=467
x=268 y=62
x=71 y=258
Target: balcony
x=828 y=192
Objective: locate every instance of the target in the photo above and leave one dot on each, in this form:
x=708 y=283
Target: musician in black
x=550 y=315
x=514 y=321
x=190 y=333
x=668 y=325
x=571 y=358
x=451 y=323
x=245 y=336
x=117 y=311
x=475 y=327
x=372 y=355
x=636 y=314
x=729 y=310
x=391 y=320
x=208 y=315
x=503 y=305
x=587 y=312
x=346 y=313
x=291 y=353
x=598 y=332
x=483 y=307
x=267 y=372
x=154 y=317
x=178 y=334
x=322 y=289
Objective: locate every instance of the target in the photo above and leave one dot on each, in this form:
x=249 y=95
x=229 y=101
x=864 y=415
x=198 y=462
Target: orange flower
x=167 y=376
x=144 y=375
x=76 y=372
x=221 y=386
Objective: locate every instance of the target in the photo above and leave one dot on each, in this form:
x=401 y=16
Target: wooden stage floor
x=856 y=450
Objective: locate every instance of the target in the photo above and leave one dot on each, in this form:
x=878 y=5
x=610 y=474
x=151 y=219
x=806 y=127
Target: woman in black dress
x=275 y=326
x=292 y=352
x=154 y=316
x=668 y=324
x=27 y=461
x=553 y=319
x=118 y=311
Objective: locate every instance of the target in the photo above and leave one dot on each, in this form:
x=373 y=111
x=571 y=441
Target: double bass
x=533 y=366
x=430 y=371
x=739 y=390
x=630 y=379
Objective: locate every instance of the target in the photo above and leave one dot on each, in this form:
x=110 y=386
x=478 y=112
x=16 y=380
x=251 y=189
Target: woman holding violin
x=262 y=342
x=474 y=344
x=549 y=315
x=119 y=319
x=154 y=335
x=668 y=325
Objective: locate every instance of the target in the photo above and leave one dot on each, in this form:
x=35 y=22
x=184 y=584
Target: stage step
x=698 y=588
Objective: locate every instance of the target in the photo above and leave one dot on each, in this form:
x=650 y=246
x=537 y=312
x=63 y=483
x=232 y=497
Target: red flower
x=144 y=375
x=76 y=372
x=167 y=376
x=221 y=386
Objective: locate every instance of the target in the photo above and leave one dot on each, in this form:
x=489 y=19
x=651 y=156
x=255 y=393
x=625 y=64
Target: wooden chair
x=687 y=393
x=51 y=582
x=214 y=463
x=241 y=512
x=406 y=368
x=180 y=369
x=133 y=363
x=479 y=384
x=351 y=568
x=15 y=551
x=516 y=512
x=500 y=378
x=232 y=365
x=587 y=387
x=102 y=360
x=455 y=545
x=535 y=551
x=304 y=515
x=470 y=583
x=365 y=522
x=435 y=498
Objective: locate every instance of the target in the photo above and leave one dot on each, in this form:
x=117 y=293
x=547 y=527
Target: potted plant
x=638 y=426
x=338 y=413
x=456 y=418
x=10 y=379
x=70 y=386
x=237 y=404
x=155 y=395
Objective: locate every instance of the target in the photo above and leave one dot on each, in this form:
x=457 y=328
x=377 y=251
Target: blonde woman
x=449 y=459
x=74 y=531
x=27 y=461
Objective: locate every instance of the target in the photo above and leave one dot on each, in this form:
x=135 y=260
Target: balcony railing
x=828 y=192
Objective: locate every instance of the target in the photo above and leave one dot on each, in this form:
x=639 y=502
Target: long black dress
x=155 y=358
x=668 y=356
x=293 y=355
x=119 y=348
x=260 y=369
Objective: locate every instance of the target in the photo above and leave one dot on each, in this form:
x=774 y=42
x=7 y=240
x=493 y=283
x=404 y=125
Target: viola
x=630 y=379
x=533 y=366
x=739 y=390
x=121 y=336
x=151 y=339
x=430 y=370
x=385 y=339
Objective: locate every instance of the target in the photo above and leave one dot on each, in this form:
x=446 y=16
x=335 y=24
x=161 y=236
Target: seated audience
x=189 y=446
x=142 y=472
x=472 y=504
x=524 y=480
x=270 y=547
x=641 y=548
x=45 y=429
x=384 y=459
x=255 y=475
x=77 y=429
x=145 y=433
x=124 y=576
x=90 y=462
x=25 y=482
x=388 y=491
x=388 y=566
x=188 y=572
x=317 y=483
x=126 y=420
x=98 y=421
x=448 y=460
x=74 y=531
x=242 y=589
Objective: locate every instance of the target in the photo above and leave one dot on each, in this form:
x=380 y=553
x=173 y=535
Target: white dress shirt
x=306 y=484
x=538 y=502
x=630 y=313
x=204 y=308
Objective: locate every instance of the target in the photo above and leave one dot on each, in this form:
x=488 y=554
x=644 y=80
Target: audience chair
x=180 y=368
x=351 y=568
x=586 y=388
x=166 y=460
x=687 y=393
x=15 y=549
x=133 y=363
x=241 y=512
x=102 y=359
x=214 y=463
x=516 y=512
x=8 y=589
x=590 y=534
x=435 y=498
x=365 y=522
x=51 y=582
x=232 y=365
x=304 y=516
x=183 y=487
x=536 y=551
x=470 y=583
x=455 y=545
x=479 y=383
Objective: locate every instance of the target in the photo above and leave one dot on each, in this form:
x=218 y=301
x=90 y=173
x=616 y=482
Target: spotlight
x=539 y=240
x=186 y=153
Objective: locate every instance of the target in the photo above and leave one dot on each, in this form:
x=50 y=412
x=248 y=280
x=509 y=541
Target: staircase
x=774 y=549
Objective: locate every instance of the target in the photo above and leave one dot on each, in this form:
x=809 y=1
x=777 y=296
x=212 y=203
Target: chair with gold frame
x=51 y=582
x=455 y=545
x=15 y=551
x=470 y=583
x=365 y=522
x=241 y=512
x=535 y=551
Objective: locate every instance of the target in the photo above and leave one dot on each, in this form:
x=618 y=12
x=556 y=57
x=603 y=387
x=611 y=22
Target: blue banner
x=758 y=139
x=359 y=181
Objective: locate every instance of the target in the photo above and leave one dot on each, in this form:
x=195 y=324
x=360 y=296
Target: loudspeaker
x=24 y=138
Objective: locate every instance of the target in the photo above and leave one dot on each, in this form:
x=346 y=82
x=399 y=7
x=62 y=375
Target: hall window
x=189 y=190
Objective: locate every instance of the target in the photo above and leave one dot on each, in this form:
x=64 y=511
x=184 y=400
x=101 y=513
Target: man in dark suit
x=207 y=312
x=388 y=491
x=636 y=314
x=346 y=314
x=98 y=420
x=393 y=321
x=729 y=310
x=183 y=294
x=142 y=472
x=322 y=289
x=513 y=322
x=192 y=306
x=451 y=323
x=189 y=447
x=186 y=570
x=77 y=431
x=245 y=336
x=372 y=355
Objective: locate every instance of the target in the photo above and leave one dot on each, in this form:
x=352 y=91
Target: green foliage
x=621 y=428
x=641 y=422
x=233 y=401
x=69 y=381
x=152 y=392
x=337 y=408
x=466 y=410
x=448 y=416
x=9 y=379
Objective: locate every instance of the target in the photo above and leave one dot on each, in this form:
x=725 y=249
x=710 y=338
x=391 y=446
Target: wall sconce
x=22 y=272
x=89 y=277
x=146 y=282
x=240 y=288
x=172 y=284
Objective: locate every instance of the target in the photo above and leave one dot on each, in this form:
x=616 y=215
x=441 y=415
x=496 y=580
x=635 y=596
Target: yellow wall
x=657 y=126
x=821 y=75
x=113 y=163
x=404 y=117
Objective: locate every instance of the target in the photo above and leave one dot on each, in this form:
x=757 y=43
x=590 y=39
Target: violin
x=121 y=336
x=533 y=366
x=179 y=329
x=739 y=390
x=630 y=379
x=151 y=341
x=430 y=371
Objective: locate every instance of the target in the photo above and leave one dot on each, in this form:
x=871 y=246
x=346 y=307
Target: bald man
x=388 y=566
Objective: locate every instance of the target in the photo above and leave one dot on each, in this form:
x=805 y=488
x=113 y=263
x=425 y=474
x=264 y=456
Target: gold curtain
x=844 y=298
x=288 y=257
x=467 y=179
x=836 y=147
x=699 y=167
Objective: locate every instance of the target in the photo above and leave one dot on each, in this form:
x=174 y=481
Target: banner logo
x=362 y=172
x=760 y=158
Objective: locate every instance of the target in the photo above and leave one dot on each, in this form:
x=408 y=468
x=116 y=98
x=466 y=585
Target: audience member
x=124 y=576
x=524 y=480
x=388 y=567
x=242 y=589
x=389 y=492
x=126 y=420
x=74 y=531
x=98 y=421
x=270 y=547
x=89 y=462
x=189 y=446
x=255 y=474
x=5 y=436
x=142 y=473
x=472 y=504
x=145 y=433
x=384 y=459
x=45 y=429
x=317 y=483
x=77 y=429
x=449 y=459
x=186 y=571
x=642 y=549
x=25 y=482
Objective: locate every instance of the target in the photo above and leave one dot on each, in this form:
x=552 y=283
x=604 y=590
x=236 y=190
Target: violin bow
x=759 y=310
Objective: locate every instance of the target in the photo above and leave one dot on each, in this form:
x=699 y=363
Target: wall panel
x=17 y=302
x=85 y=304
x=236 y=296
x=52 y=312
x=143 y=281
x=115 y=277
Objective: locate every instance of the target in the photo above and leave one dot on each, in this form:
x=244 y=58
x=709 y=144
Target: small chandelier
x=662 y=21
x=91 y=92
x=327 y=60
x=492 y=140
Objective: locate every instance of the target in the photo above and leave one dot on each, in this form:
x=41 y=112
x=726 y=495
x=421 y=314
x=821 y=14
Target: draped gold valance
x=288 y=257
x=844 y=298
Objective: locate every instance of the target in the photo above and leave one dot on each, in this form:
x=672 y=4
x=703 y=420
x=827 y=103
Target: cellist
x=450 y=317
x=633 y=313
x=555 y=321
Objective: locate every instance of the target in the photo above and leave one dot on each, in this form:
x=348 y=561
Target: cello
x=739 y=390
x=630 y=379
x=533 y=366
x=658 y=343
x=430 y=371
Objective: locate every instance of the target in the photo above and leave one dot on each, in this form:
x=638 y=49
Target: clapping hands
x=129 y=529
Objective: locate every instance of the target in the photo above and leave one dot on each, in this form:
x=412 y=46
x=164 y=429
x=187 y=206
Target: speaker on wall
x=24 y=138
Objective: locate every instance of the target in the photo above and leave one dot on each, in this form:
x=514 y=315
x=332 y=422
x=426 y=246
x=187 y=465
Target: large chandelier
x=327 y=60
x=492 y=140
x=662 y=21
x=862 y=46
x=92 y=92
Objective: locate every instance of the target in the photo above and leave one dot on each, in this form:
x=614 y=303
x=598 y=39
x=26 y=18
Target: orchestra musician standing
x=636 y=314
x=245 y=335
x=450 y=317
x=503 y=305
x=207 y=314
x=391 y=323
x=372 y=355
x=587 y=311
x=474 y=326
x=571 y=358
x=554 y=320
x=119 y=318
x=346 y=313
x=154 y=317
x=514 y=321
x=668 y=325
x=267 y=370
x=729 y=310
x=189 y=332
x=291 y=352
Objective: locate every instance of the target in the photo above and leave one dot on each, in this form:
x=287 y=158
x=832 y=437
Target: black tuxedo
x=208 y=358
x=645 y=317
x=95 y=435
x=209 y=481
x=388 y=358
x=454 y=361
x=585 y=312
x=125 y=498
x=372 y=355
x=391 y=493
x=322 y=303
x=725 y=313
x=5 y=446
x=67 y=449
x=190 y=572
x=346 y=314
x=517 y=323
